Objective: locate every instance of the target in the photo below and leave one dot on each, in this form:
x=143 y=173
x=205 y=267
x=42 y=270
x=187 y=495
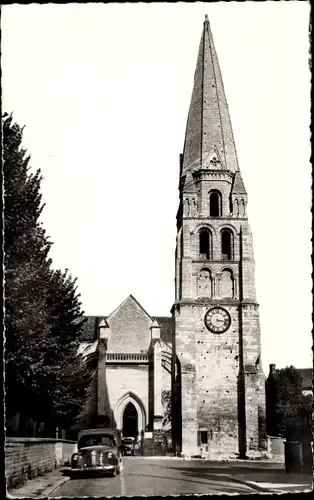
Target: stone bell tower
x=216 y=321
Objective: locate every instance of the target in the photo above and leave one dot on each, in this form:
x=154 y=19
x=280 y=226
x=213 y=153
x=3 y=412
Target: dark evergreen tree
x=44 y=377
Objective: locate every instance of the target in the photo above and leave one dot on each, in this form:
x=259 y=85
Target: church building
x=129 y=353
x=197 y=375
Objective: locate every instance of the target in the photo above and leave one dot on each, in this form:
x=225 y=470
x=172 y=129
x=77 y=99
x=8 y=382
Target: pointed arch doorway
x=130 y=421
x=126 y=418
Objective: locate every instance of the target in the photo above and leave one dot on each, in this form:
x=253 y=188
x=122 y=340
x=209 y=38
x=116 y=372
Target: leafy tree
x=166 y=402
x=289 y=411
x=69 y=377
x=44 y=377
x=26 y=268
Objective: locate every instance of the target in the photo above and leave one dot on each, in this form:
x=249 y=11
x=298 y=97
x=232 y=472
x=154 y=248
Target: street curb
x=251 y=485
x=223 y=460
x=211 y=460
x=50 y=489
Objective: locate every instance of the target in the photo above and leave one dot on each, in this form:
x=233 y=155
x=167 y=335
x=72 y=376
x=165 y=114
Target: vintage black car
x=128 y=446
x=98 y=452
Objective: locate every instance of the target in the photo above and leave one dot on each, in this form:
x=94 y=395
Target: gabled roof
x=306 y=374
x=189 y=184
x=307 y=377
x=166 y=328
x=89 y=331
x=156 y=324
x=129 y=298
x=90 y=328
x=103 y=323
x=238 y=184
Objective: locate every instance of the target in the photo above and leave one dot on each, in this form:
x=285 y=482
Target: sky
x=104 y=90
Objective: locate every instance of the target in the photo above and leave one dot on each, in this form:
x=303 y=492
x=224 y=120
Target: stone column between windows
x=217 y=284
x=236 y=206
x=235 y=285
x=244 y=208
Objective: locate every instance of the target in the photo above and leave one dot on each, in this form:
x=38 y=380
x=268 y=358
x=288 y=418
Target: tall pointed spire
x=209 y=141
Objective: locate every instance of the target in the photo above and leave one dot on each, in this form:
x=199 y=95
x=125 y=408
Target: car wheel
x=114 y=472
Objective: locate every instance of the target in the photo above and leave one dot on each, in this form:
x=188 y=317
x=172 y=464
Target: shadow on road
x=243 y=474
x=207 y=478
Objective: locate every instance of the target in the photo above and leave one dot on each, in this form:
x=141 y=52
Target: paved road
x=157 y=477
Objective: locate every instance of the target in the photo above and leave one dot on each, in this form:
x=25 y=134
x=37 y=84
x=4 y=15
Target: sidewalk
x=41 y=486
x=277 y=481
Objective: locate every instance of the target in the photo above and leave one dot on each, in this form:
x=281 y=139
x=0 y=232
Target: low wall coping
x=22 y=440
x=276 y=437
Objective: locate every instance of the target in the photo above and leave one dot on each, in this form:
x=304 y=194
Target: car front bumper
x=95 y=469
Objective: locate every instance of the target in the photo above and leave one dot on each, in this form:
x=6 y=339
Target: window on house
x=204 y=244
x=215 y=204
x=226 y=245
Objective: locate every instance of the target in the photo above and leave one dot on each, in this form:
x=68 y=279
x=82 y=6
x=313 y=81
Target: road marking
x=122 y=485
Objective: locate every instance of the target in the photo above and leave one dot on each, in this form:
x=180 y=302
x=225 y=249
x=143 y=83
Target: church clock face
x=217 y=320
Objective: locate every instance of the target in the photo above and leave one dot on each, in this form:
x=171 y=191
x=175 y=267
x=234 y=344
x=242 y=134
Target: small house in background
x=286 y=413
x=307 y=380
x=289 y=413
x=306 y=374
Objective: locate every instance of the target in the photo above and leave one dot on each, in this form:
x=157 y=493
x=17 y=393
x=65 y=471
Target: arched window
x=204 y=283
x=242 y=208
x=226 y=244
x=214 y=204
x=187 y=207
x=205 y=244
x=226 y=285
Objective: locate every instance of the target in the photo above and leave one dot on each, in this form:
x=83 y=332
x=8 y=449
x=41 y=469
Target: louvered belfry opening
x=214 y=204
x=226 y=245
x=204 y=244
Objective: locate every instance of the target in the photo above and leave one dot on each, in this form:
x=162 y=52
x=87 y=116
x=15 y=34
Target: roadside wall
x=26 y=458
x=277 y=448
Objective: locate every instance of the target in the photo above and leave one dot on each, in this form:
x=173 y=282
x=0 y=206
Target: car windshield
x=128 y=441
x=98 y=440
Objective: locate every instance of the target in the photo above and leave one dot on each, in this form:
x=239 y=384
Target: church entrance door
x=130 y=421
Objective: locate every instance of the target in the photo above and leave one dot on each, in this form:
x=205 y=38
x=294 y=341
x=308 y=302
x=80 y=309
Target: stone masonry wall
x=26 y=458
x=130 y=328
x=251 y=408
x=217 y=373
x=185 y=351
x=213 y=388
x=124 y=379
x=211 y=392
x=254 y=390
